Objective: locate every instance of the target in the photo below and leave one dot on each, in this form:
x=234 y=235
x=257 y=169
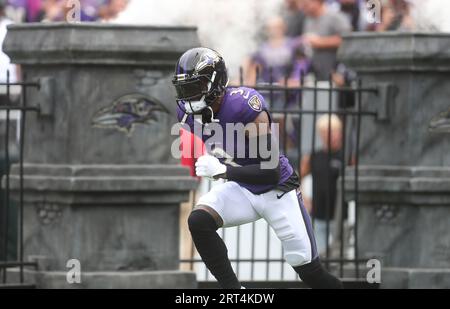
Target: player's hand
x=209 y=166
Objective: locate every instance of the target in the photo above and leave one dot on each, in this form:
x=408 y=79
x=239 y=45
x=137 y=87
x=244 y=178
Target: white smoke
x=431 y=15
x=229 y=26
x=232 y=26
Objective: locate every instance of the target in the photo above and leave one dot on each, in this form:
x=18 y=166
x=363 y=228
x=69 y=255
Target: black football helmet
x=200 y=78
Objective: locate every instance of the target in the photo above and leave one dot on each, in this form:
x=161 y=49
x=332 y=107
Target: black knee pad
x=201 y=221
x=309 y=269
x=211 y=248
x=315 y=276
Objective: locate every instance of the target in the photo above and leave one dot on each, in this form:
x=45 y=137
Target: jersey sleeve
x=252 y=104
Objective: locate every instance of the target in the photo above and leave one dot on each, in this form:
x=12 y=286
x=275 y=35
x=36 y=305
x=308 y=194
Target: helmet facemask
x=194 y=93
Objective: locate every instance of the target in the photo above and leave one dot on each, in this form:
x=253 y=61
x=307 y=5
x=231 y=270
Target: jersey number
x=241 y=92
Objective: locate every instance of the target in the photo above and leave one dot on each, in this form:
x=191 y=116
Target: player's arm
x=265 y=173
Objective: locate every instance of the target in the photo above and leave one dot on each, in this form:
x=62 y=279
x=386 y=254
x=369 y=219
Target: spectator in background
x=5 y=62
x=295 y=17
x=345 y=77
x=278 y=60
x=396 y=16
x=324 y=167
x=301 y=66
x=275 y=57
x=351 y=10
x=323 y=32
x=24 y=10
x=111 y=9
x=52 y=10
x=89 y=9
x=57 y=10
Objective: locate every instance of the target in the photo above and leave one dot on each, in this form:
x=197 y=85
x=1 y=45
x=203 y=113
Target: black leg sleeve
x=316 y=277
x=212 y=249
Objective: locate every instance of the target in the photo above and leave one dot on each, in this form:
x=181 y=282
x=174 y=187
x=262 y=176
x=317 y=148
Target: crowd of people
x=303 y=42
x=303 y=39
x=20 y=11
x=306 y=37
x=56 y=10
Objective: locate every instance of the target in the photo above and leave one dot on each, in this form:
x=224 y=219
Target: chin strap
x=183 y=121
x=213 y=77
x=212 y=115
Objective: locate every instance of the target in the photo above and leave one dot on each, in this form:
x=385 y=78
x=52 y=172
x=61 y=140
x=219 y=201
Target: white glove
x=209 y=166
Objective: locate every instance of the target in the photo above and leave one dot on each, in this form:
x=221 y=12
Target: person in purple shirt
x=274 y=56
x=55 y=10
x=259 y=184
x=30 y=7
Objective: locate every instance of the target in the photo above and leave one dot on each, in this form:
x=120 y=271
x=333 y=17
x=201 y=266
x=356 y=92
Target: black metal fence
x=297 y=108
x=13 y=111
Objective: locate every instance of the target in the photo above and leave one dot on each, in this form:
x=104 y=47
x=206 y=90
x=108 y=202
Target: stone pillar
x=101 y=185
x=404 y=179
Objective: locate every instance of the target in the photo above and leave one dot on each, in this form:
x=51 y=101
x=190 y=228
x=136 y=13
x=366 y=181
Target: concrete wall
x=101 y=185
x=404 y=178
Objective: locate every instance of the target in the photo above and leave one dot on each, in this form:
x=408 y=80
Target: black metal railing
x=14 y=109
x=302 y=104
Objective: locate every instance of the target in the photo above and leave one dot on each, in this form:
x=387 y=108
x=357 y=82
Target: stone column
x=101 y=185
x=404 y=179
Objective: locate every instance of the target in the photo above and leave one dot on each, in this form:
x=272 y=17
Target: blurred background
x=239 y=27
x=321 y=65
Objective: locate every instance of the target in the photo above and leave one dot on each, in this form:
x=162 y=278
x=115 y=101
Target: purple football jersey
x=239 y=106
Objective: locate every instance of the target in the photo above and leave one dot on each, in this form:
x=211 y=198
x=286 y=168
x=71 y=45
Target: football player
x=254 y=188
